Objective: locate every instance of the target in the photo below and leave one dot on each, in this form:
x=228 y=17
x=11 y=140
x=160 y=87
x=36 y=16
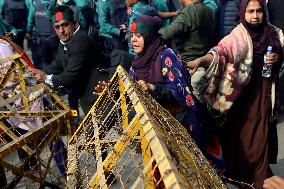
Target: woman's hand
x=203 y=61
x=147 y=87
x=274 y=182
x=271 y=58
x=100 y=87
x=192 y=66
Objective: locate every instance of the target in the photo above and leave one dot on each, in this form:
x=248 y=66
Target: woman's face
x=254 y=12
x=137 y=42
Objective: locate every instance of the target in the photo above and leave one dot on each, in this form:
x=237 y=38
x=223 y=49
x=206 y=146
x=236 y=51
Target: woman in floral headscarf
x=248 y=101
x=160 y=72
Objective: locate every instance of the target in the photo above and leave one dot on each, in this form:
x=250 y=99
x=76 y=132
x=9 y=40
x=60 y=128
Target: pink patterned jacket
x=231 y=69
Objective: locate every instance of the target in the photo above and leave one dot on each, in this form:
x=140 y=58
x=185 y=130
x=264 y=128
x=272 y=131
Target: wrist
x=151 y=87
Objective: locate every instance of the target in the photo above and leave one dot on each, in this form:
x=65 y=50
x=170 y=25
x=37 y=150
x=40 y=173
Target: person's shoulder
x=80 y=37
x=168 y=52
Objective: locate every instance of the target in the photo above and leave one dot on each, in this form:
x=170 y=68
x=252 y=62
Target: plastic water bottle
x=266 y=69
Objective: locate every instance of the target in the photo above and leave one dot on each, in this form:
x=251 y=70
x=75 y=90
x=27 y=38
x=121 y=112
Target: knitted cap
x=146 y=24
x=62 y=13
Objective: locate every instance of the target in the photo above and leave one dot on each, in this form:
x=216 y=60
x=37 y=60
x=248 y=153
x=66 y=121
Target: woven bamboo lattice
x=31 y=115
x=128 y=140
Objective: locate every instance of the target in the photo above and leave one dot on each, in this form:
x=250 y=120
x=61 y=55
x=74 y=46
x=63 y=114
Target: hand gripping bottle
x=266 y=69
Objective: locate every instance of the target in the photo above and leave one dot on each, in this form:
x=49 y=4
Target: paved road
x=278 y=169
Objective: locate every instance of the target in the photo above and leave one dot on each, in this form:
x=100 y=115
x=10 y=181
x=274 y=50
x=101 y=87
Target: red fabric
x=133 y=27
x=59 y=16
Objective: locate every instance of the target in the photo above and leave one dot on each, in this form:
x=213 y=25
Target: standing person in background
x=15 y=13
x=248 y=134
x=112 y=14
x=166 y=9
x=229 y=16
x=40 y=30
x=193 y=28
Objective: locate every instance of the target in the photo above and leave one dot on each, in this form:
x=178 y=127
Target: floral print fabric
x=232 y=67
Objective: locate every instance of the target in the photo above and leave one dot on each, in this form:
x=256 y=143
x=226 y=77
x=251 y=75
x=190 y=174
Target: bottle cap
x=269 y=48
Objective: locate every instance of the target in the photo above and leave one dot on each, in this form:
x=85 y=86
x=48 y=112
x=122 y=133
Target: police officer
x=112 y=15
x=44 y=40
x=15 y=12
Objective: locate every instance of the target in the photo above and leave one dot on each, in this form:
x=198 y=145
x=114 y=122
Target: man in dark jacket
x=194 y=29
x=74 y=68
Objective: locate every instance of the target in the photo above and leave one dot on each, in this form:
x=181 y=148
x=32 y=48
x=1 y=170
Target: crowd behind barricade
x=206 y=61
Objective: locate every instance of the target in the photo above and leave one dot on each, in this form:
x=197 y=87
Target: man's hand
x=122 y=31
x=146 y=86
x=100 y=87
x=28 y=35
x=274 y=182
x=122 y=27
x=10 y=35
x=39 y=75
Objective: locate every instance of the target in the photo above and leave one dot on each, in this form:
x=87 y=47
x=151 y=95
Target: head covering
x=62 y=13
x=147 y=65
x=262 y=35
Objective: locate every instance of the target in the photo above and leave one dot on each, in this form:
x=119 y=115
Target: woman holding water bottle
x=245 y=95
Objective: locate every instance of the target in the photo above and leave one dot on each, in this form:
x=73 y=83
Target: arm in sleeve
x=8 y=27
x=103 y=11
x=163 y=94
x=78 y=56
x=30 y=18
x=176 y=28
x=1 y=8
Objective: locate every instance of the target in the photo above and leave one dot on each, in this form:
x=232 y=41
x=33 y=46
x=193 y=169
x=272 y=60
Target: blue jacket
x=228 y=16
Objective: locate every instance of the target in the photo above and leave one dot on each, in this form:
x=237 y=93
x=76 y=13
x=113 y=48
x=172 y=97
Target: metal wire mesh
x=31 y=115
x=128 y=140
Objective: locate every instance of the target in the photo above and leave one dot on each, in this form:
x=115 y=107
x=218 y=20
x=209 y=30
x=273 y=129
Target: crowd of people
x=202 y=60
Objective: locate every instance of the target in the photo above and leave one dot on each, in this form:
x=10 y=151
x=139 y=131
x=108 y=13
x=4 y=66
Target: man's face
x=254 y=13
x=65 y=29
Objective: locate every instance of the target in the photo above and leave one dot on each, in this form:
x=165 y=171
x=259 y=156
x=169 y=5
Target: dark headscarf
x=262 y=35
x=147 y=65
